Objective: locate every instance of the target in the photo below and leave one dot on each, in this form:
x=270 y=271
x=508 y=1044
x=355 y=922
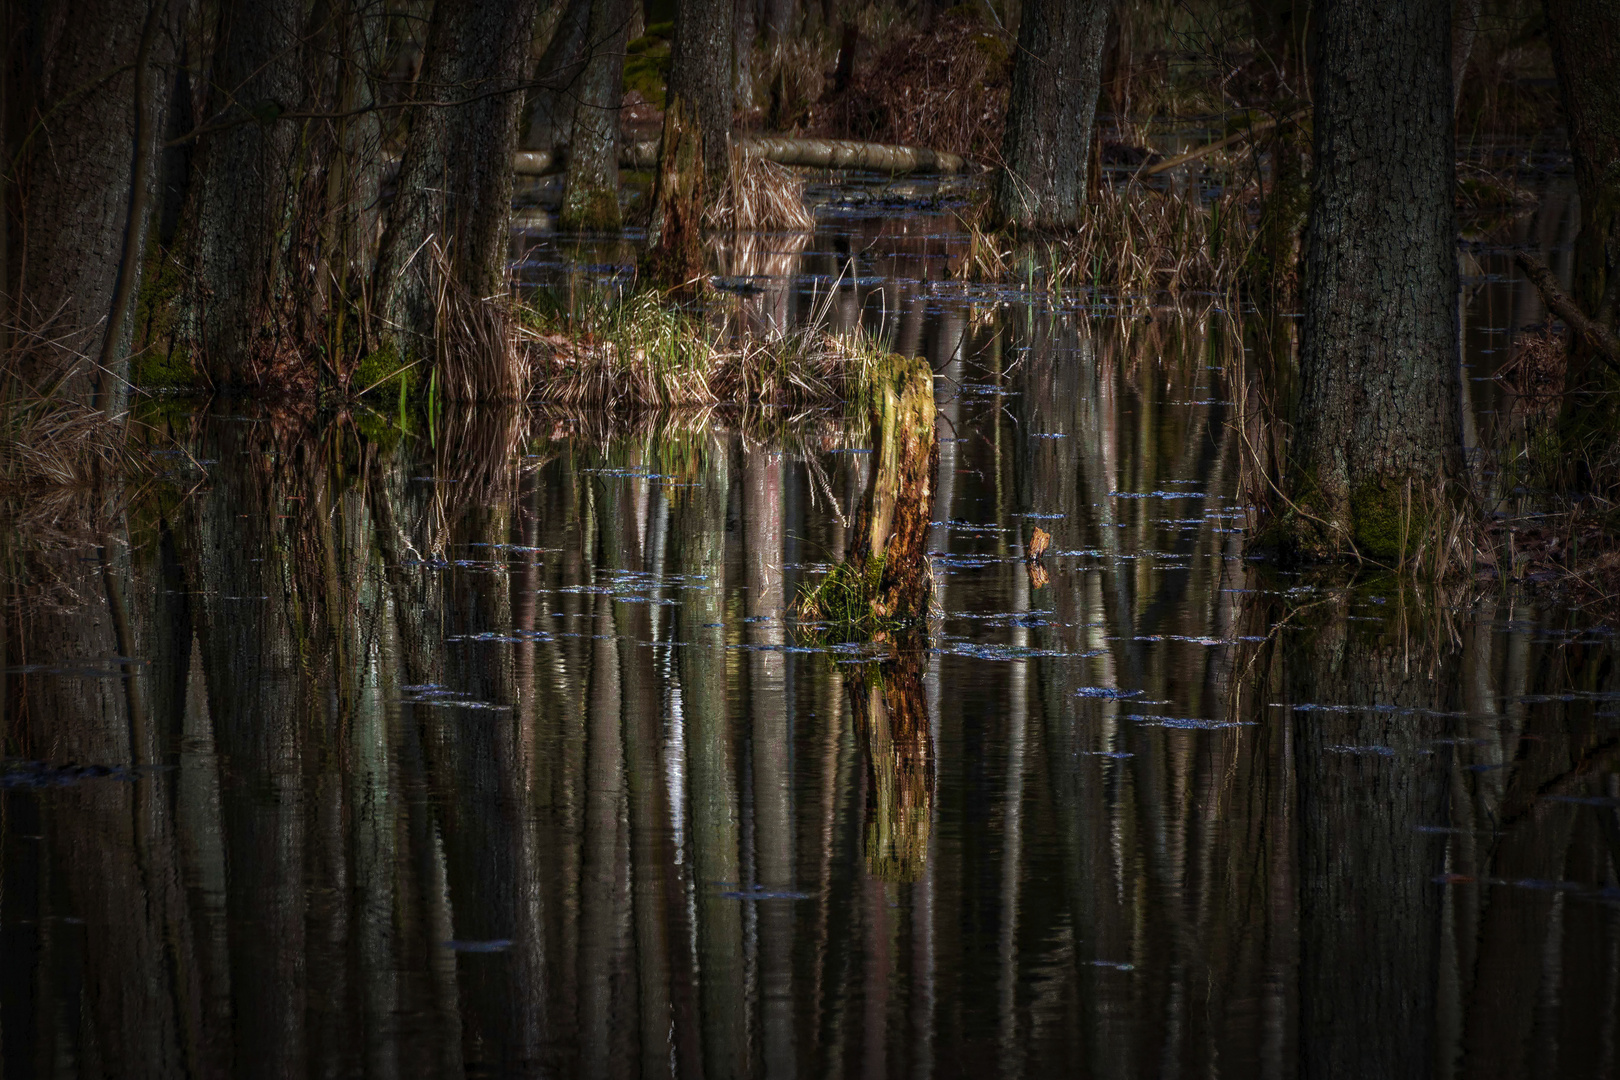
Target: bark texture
x=551 y=103
x=591 y=197
x=70 y=100
x=1585 y=38
x=238 y=224
x=1050 y=112
x=1378 y=422
x=694 y=158
x=455 y=180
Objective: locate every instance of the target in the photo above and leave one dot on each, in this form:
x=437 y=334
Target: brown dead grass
x=944 y=88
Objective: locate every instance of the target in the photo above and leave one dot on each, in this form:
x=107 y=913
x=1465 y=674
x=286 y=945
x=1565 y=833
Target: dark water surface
x=495 y=749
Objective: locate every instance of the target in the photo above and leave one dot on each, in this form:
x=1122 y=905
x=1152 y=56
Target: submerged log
x=884 y=579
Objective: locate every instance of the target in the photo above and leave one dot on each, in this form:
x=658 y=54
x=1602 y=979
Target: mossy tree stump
x=884 y=579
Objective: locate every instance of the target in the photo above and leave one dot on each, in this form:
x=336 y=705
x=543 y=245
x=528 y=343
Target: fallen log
x=819 y=154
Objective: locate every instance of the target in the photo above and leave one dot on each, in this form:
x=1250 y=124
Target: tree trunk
x=1378 y=411
x=591 y=197
x=551 y=102
x=780 y=17
x=884 y=578
x=694 y=158
x=239 y=221
x=70 y=102
x=745 y=28
x=1050 y=112
x=1586 y=52
x=455 y=180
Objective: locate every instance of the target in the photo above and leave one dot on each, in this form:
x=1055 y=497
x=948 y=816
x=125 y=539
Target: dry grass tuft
x=762 y=197
x=1535 y=373
x=640 y=354
x=478 y=355
x=1135 y=240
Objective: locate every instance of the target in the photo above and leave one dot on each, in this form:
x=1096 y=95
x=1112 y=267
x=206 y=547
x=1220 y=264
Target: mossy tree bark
x=1585 y=38
x=1050 y=113
x=889 y=543
x=70 y=100
x=694 y=158
x=1377 y=426
x=591 y=196
x=455 y=180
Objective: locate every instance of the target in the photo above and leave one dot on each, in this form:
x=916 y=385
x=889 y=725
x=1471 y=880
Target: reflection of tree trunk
x=701 y=540
x=767 y=692
x=891 y=719
x=1369 y=909
x=601 y=945
x=111 y=842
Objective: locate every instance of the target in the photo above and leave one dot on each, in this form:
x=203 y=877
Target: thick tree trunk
x=70 y=102
x=1378 y=412
x=239 y=227
x=1586 y=53
x=591 y=197
x=1050 y=112
x=694 y=159
x=551 y=102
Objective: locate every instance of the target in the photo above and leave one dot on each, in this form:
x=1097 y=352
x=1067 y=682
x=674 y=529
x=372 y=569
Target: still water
x=496 y=750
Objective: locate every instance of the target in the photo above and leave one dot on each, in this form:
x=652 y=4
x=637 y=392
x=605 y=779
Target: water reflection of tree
x=890 y=708
x=651 y=758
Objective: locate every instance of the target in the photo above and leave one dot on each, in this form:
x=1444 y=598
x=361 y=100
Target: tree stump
x=884 y=580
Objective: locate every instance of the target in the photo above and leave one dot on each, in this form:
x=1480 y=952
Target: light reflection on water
x=312 y=766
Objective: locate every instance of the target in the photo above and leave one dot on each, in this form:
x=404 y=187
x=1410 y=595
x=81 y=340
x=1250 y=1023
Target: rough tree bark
x=455 y=180
x=694 y=158
x=238 y=221
x=1586 y=53
x=1049 y=114
x=70 y=104
x=591 y=196
x=1378 y=422
x=551 y=102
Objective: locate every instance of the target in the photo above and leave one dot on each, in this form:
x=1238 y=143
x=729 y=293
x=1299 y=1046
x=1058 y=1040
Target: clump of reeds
x=49 y=443
x=477 y=353
x=641 y=353
x=1134 y=240
x=761 y=197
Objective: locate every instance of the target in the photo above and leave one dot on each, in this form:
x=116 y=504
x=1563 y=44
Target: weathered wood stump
x=884 y=580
